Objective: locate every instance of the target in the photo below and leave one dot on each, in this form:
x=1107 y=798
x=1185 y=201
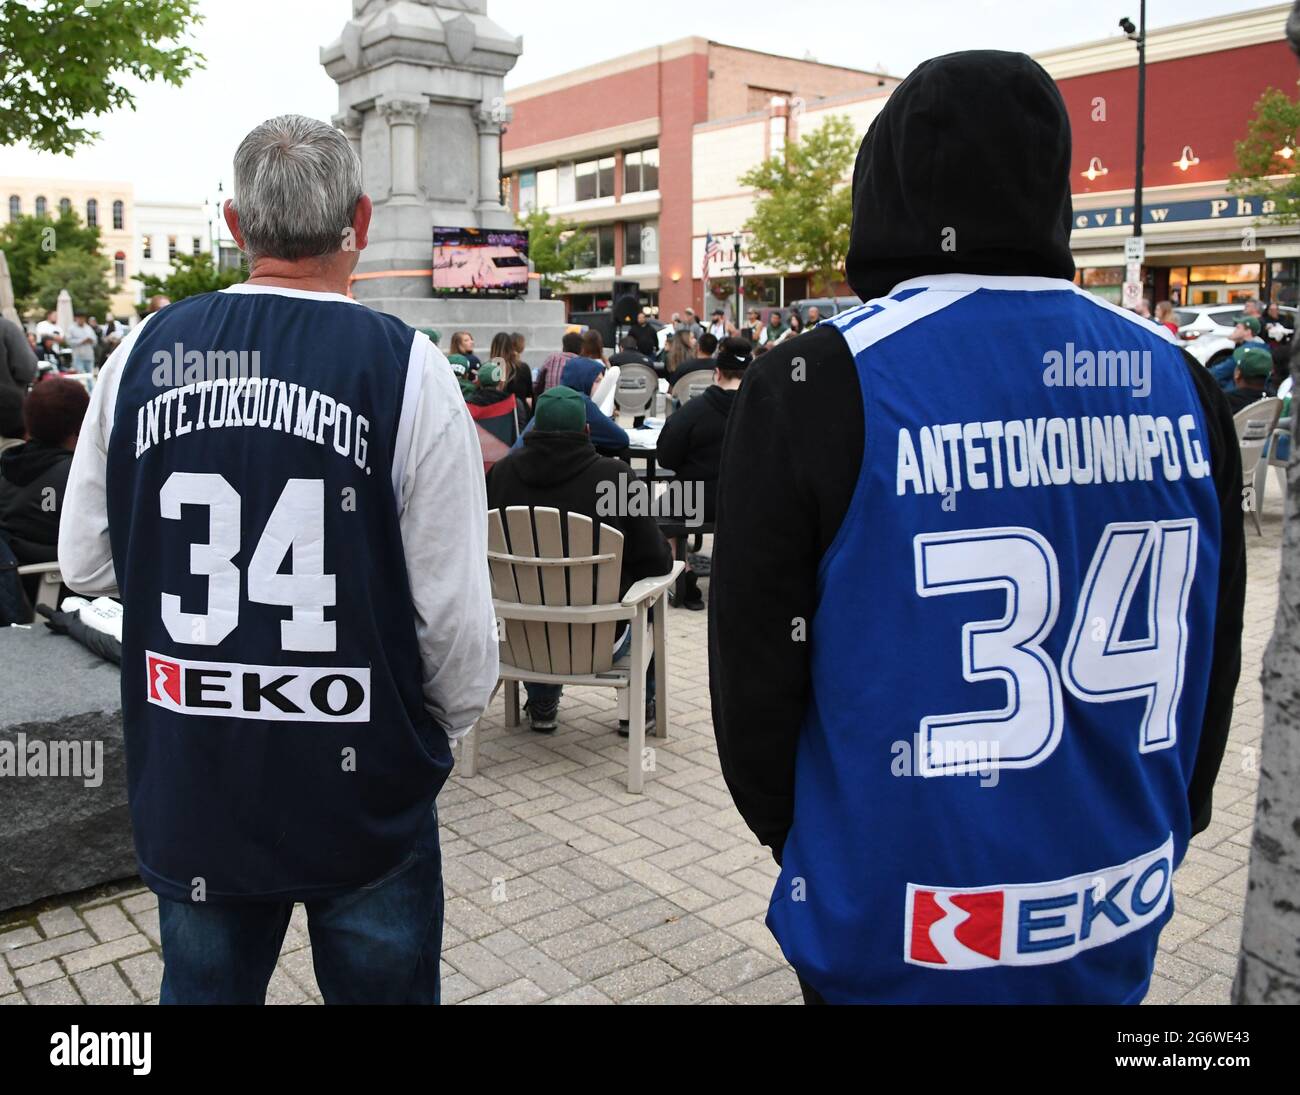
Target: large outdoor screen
x=480 y=262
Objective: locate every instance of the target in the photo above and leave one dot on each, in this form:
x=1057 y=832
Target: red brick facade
x=1204 y=101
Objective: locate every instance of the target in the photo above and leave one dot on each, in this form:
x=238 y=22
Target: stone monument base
x=541 y=322
x=62 y=711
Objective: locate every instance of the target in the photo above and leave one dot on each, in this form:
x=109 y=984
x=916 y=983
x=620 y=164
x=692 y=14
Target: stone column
x=349 y=123
x=402 y=112
x=490 y=118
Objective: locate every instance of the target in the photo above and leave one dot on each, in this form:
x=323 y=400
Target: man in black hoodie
x=691 y=441
x=918 y=583
x=556 y=466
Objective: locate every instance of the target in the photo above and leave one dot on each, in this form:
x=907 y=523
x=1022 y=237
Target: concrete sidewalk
x=563 y=888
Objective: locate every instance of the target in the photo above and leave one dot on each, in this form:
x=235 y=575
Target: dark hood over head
x=977 y=142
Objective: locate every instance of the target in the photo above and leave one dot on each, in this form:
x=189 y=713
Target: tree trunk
x=1269 y=969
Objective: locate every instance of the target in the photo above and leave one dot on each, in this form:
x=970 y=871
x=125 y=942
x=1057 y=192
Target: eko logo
x=281 y=693
x=1031 y=925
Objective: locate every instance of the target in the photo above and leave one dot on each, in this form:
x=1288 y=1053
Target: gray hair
x=297 y=182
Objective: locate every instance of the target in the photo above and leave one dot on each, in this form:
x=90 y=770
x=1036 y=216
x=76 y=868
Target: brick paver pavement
x=563 y=888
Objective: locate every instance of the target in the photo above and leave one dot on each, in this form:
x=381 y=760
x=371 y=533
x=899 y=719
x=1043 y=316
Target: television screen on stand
x=480 y=262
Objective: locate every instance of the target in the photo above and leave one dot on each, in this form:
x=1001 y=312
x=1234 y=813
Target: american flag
x=711 y=248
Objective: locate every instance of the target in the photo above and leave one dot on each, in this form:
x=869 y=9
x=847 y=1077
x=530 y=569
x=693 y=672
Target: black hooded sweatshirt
x=979 y=143
x=29 y=518
x=691 y=441
x=560 y=469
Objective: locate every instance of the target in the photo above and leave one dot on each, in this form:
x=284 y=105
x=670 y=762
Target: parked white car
x=1204 y=329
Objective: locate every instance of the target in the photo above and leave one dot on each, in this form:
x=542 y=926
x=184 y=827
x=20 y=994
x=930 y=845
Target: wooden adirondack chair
x=561 y=613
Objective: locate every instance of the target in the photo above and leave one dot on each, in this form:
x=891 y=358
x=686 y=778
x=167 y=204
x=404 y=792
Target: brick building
x=1203 y=244
x=611 y=147
x=644 y=152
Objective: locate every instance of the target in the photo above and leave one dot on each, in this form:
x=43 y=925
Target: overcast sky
x=263 y=59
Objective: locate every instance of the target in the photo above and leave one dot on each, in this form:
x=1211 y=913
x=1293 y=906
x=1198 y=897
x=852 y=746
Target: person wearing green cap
x=557 y=466
x=460 y=365
x=1244 y=334
x=492 y=407
x=1252 y=366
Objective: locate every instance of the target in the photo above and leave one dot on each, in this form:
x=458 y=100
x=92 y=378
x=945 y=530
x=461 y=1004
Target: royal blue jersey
x=278 y=743
x=1009 y=656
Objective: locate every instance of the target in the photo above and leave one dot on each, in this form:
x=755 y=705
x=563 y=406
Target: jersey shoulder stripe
x=885 y=316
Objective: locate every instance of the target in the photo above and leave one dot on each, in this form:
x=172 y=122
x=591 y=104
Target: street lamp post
x=1138 y=35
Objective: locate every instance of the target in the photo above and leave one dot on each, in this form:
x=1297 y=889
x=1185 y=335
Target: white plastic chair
x=1255 y=424
x=636 y=389
x=47 y=592
x=692 y=384
x=560 y=614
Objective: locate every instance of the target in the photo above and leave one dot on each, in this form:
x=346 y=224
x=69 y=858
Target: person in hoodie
x=691 y=440
x=496 y=410
x=971 y=676
x=34 y=475
x=582 y=374
x=557 y=466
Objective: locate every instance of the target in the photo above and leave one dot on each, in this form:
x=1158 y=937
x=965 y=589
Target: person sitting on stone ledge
x=462 y=342
x=518 y=376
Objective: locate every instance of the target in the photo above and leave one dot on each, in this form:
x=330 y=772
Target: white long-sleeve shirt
x=438 y=485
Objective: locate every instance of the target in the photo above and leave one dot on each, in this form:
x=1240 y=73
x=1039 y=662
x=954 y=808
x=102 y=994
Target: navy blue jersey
x=278 y=744
x=990 y=806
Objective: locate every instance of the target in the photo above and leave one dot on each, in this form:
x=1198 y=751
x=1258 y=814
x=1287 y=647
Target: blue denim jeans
x=543 y=695
x=378 y=944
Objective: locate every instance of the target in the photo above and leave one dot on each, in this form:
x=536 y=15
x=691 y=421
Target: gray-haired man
x=286 y=487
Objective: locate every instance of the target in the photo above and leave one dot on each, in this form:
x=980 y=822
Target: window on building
x=92 y=213
x=527 y=191
x=600 y=247
x=147 y=249
x=565 y=184
x=641 y=170
x=548 y=192
x=42 y=206
x=641 y=243
x=171 y=247
x=198 y=246
x=65 y=205
x=119 y=268
x=119 y=215
x=15 y=207
x=594 y=179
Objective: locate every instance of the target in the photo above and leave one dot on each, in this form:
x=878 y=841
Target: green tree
x=555 y=247
x=83 y=275
x=804 y=207
x=1261 y=170
x=65 y=60
x=191 y=275
x=31 y=242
